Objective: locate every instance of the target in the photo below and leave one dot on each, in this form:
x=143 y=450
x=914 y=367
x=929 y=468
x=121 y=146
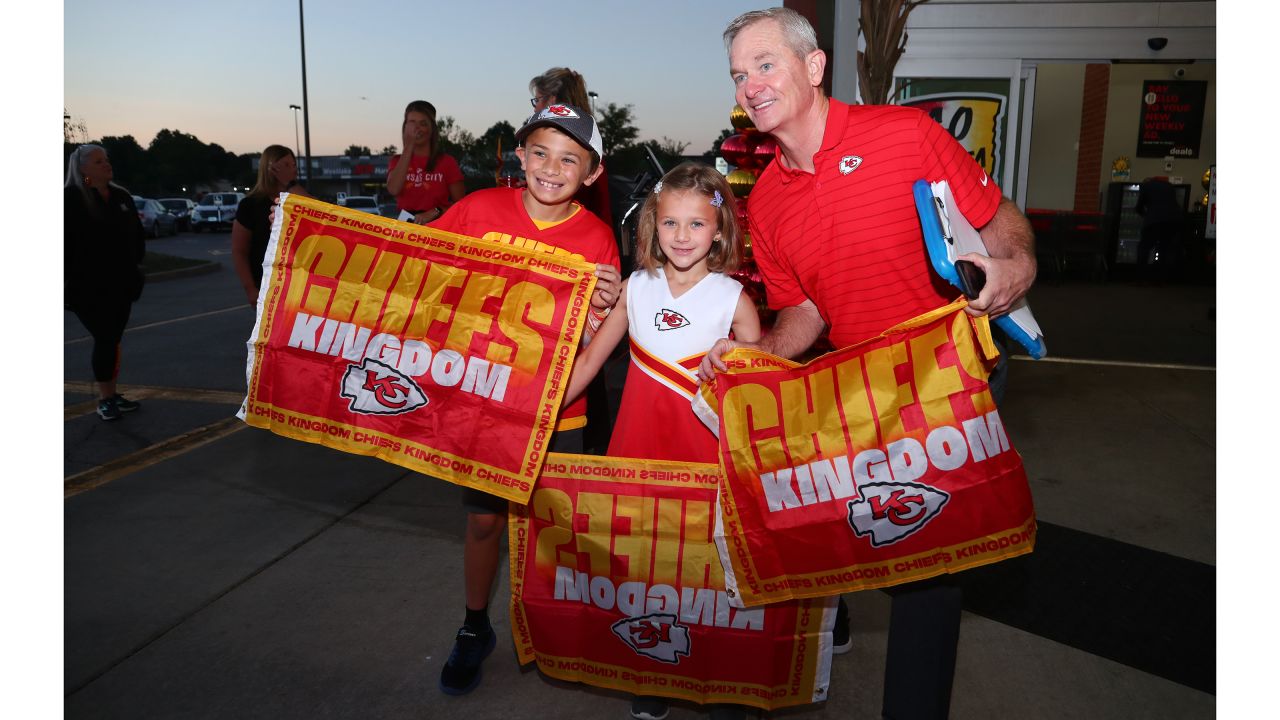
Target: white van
x=215 y=210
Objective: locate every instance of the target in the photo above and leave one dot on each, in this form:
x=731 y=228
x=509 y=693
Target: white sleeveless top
x=668 y=334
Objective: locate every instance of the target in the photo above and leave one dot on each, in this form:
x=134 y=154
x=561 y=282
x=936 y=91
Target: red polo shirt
x=847 y=235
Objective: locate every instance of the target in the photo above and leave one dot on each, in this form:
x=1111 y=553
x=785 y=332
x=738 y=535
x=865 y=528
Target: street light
x=306 y=113
x=297 y=148
x=593 y=95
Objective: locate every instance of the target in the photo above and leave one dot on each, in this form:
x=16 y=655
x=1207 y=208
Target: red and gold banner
x=441 y=353
x=875 y=465
x=616 y=582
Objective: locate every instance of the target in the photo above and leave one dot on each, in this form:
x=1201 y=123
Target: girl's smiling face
x=687 y=225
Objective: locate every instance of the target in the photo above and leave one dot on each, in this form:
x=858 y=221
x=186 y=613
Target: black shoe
x=109 y=409
x=461 y=672
x=647 y=707
x=125 y=404
x=841 y=640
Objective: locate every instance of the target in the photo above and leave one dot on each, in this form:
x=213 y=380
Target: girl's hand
x=608 y=282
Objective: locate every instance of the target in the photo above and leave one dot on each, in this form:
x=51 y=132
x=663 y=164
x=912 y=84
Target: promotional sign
x=1171 y=118
x=444 y=354
x=879 y=464
x=616 y=582
x=974 y=119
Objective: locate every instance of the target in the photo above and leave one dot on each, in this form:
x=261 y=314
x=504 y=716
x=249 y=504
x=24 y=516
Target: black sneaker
x=109 y=409
x=841 y=640
x=647 y=707
x=125 y=404
x=461 y=672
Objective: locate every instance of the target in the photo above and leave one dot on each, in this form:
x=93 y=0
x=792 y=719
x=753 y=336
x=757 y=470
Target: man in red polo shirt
x=836 y=236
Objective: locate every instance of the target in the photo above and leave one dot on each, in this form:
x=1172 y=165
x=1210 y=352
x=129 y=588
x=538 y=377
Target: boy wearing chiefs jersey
x=560 y=151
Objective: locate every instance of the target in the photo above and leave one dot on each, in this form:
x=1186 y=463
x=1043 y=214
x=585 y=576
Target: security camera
x=1180 y=73
x=1157 y=43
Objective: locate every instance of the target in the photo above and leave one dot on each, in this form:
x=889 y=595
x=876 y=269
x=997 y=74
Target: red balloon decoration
x=735 y=150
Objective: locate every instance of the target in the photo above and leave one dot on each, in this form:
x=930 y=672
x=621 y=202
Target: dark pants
x=924 y=631
x=1164 y=238
x=105 y=320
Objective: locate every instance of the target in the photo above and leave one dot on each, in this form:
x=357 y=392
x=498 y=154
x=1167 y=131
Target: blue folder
x=936 y=220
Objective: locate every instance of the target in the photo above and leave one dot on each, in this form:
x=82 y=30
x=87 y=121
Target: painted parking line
x=148 y=456
x=1117 y=363
x=161 y=323
x=145 y=392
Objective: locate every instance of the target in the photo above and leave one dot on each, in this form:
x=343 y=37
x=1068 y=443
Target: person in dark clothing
x=1162 y=223
x=102 y=246
x=277 y=173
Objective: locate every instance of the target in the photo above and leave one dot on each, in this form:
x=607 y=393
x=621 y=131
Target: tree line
x=174 y=160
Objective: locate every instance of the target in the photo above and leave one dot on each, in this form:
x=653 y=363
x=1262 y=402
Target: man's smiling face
x=773 y=84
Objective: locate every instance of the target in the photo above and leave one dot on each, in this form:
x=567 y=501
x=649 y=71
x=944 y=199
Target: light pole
x=297 y=150
x=593 y=95
x=306 y=114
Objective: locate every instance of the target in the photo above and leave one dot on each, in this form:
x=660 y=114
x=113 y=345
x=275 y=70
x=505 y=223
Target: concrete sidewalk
x=258 y=577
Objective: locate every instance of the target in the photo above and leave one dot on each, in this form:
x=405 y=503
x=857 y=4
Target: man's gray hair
x=795 y=28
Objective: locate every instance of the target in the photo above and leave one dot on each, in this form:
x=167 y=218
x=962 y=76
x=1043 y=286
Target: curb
x=201 y=269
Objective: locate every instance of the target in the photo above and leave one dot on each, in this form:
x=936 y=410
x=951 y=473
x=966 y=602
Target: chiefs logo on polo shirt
x=849 y=163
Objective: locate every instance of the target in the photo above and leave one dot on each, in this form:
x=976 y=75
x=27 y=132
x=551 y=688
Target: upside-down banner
x=874 y=465
x=441 y=353
x=616 y=582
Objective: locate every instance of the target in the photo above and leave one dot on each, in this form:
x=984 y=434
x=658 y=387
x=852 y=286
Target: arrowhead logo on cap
x=560 y=111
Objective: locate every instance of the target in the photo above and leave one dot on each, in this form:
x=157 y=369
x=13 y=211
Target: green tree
x=128 y=160
x=388 y=150
x=176 y=160
x=356 y=152
x=453 y=139
x=481 y=162
x=617 y=128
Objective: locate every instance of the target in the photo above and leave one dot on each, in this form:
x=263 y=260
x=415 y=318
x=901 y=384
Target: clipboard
x=948 y=235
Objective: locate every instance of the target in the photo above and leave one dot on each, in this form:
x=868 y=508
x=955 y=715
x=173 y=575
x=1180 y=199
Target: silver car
x=156 y=220
x=181 y=209
x=215 y=210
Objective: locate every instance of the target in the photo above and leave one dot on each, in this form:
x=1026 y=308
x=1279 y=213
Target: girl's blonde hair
x=266 y=184
x=725 y=255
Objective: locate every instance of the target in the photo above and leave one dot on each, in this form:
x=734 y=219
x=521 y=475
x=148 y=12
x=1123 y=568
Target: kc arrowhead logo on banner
x=616 y=582
x=889 y=455
x=445 y=354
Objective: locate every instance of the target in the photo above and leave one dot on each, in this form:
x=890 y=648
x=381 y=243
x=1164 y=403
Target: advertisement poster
x=1171 y=118
x=878 y=464
x=616 y=582
x=444 y=354
x=974 y=119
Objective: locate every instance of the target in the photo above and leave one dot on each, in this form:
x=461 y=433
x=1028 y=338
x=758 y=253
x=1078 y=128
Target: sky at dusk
x=227 y=71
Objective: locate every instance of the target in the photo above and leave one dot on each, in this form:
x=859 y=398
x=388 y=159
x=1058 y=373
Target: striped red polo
x=847 y=235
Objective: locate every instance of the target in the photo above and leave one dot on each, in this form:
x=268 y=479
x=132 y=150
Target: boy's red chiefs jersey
x=499 y=215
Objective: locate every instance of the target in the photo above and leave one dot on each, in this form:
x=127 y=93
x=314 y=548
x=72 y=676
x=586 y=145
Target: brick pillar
x=1093 y=126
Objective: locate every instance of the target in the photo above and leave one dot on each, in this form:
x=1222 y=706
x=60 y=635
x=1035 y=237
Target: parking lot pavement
x=248 y=575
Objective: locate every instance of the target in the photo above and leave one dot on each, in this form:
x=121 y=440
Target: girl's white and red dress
x=669 y=336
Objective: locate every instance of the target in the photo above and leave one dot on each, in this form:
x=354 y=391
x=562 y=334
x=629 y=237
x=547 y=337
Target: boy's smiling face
x=555 y=166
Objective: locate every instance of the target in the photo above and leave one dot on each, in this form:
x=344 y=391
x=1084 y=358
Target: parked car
x=156 y=220
x=181 y=209
x=215 y=210
x=364 y=203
